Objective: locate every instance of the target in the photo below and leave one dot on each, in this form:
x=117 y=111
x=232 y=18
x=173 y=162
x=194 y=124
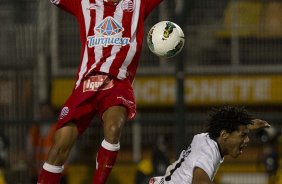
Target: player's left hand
x=258 y=124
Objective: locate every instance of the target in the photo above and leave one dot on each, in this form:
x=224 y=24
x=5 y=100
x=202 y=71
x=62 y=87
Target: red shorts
x=94 y=95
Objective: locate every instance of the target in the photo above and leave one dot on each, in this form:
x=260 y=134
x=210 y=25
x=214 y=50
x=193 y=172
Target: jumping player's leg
x=113 y=122
x=64 y=139
x=114 y=119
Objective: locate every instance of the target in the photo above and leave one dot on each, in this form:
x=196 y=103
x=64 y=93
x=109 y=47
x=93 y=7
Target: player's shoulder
x=202 y=138
x=204 y=144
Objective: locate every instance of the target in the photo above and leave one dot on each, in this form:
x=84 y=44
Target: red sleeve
x=71 y=6
x=151 y=5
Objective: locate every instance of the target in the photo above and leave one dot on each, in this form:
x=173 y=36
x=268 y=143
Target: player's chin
x=241 y=148
x=236 y=153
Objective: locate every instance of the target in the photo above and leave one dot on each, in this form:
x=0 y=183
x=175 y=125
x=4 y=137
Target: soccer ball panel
x=165 y=39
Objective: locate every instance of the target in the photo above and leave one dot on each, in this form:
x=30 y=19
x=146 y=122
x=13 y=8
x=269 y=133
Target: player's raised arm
x=258 y=124
x=200 y=177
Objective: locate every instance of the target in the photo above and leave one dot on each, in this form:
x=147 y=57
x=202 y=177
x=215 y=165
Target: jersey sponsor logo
x=127 y=6
x=64 y=112
x=108 y=32
x=97 y=82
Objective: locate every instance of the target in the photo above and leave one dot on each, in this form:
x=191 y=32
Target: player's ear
x=224 y=134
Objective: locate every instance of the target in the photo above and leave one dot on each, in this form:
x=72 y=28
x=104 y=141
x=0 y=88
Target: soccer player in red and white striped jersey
x=111 y=33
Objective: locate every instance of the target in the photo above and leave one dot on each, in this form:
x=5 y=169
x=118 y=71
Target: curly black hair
x=227 y=118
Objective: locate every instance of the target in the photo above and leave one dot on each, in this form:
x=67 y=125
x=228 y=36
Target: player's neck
x=220 y=145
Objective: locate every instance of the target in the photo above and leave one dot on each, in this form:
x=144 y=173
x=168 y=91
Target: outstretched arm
x=258 y=124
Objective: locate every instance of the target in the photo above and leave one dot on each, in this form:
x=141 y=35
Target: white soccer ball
x=165 y=39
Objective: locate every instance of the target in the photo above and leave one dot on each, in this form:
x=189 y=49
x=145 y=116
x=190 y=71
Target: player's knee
x=112 y=132
x=113 y=129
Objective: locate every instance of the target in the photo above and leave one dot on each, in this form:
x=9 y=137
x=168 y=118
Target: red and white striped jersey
x=111 y=34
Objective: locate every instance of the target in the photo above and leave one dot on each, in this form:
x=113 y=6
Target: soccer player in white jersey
x=111 y=34
x=227 y=134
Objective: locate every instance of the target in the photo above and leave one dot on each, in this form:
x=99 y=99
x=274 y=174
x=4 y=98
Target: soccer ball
x=165 y=39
